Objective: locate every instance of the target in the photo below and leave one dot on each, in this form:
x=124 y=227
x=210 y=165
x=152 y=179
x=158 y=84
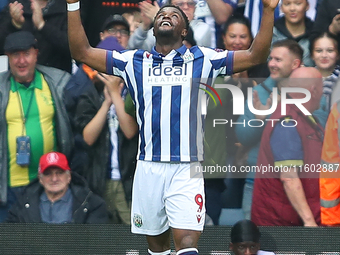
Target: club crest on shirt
x=137 y=220
x=188 y=57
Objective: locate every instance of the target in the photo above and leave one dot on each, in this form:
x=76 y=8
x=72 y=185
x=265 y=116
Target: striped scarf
x=328 y=85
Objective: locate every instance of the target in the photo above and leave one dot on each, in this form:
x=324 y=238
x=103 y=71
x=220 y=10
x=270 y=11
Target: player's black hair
x=245 y=231
x=186 y=20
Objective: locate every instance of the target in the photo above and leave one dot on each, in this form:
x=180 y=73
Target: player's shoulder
x=207 y=51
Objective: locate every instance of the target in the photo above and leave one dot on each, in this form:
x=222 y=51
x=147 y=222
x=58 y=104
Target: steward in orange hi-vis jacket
x=330 y=174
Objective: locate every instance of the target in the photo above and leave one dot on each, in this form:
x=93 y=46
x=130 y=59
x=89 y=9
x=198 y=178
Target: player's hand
x=334 y=27
x=270 y=3
x=37 y=16
x=16 y=10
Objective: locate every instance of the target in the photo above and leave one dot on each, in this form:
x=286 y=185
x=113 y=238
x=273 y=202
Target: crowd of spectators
x=89 y=117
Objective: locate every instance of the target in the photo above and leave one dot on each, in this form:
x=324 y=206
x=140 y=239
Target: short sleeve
x=286 y=144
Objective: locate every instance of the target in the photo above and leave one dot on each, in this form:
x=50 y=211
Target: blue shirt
x=58 y=212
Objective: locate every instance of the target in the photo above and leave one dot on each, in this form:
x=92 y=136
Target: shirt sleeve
x=116 y=62
x=286 y=144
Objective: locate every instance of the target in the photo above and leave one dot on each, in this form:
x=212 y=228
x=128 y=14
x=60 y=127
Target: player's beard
x=165 y=33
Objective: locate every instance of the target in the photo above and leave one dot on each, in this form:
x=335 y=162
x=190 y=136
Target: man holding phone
x=33 y=118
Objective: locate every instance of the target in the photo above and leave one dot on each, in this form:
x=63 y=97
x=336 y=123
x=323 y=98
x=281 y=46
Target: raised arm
x=259 y=50
x=220 y=10
x=79 y=44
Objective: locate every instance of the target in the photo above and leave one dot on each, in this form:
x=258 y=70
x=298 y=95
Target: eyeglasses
x=189 y=4
x=114 y=31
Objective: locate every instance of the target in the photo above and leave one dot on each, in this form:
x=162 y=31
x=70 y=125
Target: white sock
x=159 y=253
x=187 y=251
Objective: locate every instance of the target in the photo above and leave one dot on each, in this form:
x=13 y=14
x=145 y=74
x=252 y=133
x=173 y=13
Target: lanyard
x=24 y=116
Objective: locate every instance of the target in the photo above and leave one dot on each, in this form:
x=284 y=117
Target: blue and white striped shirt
x=166 y=93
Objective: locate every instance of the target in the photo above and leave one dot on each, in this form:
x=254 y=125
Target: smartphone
x=23 y=150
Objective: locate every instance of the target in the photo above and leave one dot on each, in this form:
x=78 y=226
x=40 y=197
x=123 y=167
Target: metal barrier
x=118 y=240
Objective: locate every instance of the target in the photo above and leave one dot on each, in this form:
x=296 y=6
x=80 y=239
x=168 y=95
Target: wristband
x=73 y=7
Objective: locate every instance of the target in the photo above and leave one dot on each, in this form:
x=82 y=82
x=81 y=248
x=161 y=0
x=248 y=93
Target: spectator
x=245 y=239
x=31 y=109
x=329 y=177
x=325 y=53
x=290 y=196
x=47 y=21
x=105 y=144
x=99 y=121
x=134 y=19
x=144 y=39
x=327 y=18
x=295 y=25
x=253 y=11
x=280 y=67
x=215 y=13
x=95 y=12
x=284 y=58
x=118 y=27
x=57 y=196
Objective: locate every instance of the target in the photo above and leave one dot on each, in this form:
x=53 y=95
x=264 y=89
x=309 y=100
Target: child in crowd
x=295 y=25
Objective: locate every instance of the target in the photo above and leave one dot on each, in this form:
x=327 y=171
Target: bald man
x=288 y=193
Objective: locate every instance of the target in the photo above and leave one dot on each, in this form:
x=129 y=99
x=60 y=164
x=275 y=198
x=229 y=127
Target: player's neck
x=165 y=49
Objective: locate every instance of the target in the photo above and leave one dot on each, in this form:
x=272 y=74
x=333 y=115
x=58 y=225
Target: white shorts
x=164 y=196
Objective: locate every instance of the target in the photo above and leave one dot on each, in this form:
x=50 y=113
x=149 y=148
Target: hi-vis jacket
x=330 y=174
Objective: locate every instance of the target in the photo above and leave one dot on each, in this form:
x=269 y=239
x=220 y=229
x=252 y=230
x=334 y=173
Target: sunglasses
x=114 y=31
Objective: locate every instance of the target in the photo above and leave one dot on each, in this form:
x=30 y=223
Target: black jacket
x=87 y=207
x=280 y=25
x=326 y=11
x=52 y=38
x=97 y=168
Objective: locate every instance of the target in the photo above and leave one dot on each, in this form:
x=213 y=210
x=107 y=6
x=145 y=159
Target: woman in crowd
x=325 y=53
